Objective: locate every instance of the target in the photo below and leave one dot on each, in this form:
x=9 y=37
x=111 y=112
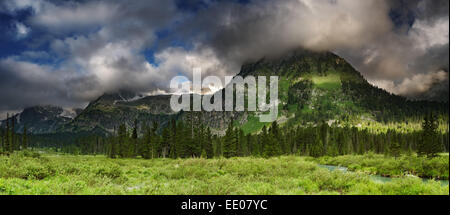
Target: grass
x=287 y=175
x=437 y=168
x=329 y=82
x=253 y=125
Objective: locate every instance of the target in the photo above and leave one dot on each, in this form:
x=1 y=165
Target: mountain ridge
x=313 y=87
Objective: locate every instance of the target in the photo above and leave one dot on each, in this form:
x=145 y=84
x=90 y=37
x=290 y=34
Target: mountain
x=112 y=109
x=41 y=119
x=313 y=87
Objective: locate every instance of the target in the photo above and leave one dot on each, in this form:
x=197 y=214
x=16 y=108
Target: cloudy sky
x=68 y=53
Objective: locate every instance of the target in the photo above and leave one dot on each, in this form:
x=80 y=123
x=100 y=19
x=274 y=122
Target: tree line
x=190 y=138
x=10 y=140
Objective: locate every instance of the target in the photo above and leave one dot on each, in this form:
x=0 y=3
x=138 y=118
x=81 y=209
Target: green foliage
x=329 y=82
x=437 y=167
x=429 y=145
x=271 y=141
x=230 y=142
x=395 y=150
x=285 y=175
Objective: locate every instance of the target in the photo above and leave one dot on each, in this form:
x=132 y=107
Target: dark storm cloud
x=266 y=28
x=25 y=84
x=97 y=46
x=411 y=60
x=390 y=42
x=428 y=9
x=81 y=49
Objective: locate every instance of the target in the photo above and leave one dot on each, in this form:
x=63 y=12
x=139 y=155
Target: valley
x=62 y=174
x=128 y=143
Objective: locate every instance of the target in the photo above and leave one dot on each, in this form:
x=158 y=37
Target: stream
x=377 y=178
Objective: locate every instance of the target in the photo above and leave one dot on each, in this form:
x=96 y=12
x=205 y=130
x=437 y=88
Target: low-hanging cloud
x=101 y=46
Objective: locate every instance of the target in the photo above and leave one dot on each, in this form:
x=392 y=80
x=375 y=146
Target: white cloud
x=74 y=16
x=100 y=45
x=415 y=85
x=13 y=6
x=427 y=36
x=21 y=30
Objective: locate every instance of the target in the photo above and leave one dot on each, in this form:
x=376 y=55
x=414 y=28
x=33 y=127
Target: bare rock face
x=40 y=119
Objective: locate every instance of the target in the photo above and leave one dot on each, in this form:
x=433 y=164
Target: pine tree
x=271 y=145
x=8 y=146
x=395 y=149
x=165 y=142
x=13 y=138
x=113 y=145
x=250 y=144
x=316 y=149
x=146 y=148
x=2 y=136
x=229 y=144
x=219 y=147
x=324 y=134
x=429 y=145
x=134 y=138
x=123 y=141
x=209 y=144
x=173 y=139
x=24 y=138
x=243 y=143
x=155 y=141
x=180 y=149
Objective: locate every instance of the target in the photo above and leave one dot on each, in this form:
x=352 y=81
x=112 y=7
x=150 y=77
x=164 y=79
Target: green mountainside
x=313 y=88
x=317 y=87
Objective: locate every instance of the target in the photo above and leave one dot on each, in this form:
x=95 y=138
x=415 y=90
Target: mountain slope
x=41 y=119
x=112 y=109
x=313 y=88
x=316 y=87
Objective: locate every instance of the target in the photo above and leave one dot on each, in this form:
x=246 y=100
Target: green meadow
x=48 y=174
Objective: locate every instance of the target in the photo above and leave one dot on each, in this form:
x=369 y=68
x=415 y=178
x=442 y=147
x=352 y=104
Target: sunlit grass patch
x=329 y=82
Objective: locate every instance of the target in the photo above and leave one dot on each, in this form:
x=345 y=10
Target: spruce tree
x=271 y=143
x=395 y=149
x=13 y=138
x=209 y=144
x=173 y=139
x=155 y=141
x=123 y=141
x=180 y=150
x=113 y=145
x=324 y=135
x=134 y=138
x=429 y=145
x=316 y=149
x=250 y=144
x=229 y=144
x=8 y=147
x=2 y=136
x=146 y=148
x=24 y=138
x=165 y=142
x=243 y=143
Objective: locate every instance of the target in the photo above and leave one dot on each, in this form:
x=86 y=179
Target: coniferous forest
x=335 y=134
x=191 y=139
x=358 y=89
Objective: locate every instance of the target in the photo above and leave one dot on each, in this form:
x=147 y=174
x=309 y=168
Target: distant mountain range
x=42 y=119
x=313 y=87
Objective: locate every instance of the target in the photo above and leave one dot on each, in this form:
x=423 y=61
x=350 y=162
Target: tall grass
x=437 y=168
x=288 y=175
